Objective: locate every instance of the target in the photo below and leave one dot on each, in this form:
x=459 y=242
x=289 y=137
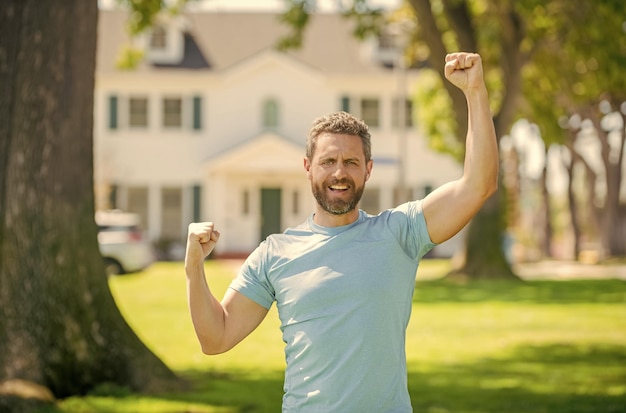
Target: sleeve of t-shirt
x=408 y=224
x=252 y=280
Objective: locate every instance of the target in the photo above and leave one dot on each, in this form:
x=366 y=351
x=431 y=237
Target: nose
x=339 y=172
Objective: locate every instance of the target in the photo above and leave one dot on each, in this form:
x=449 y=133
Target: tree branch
x=460 y=21
x=433 y=37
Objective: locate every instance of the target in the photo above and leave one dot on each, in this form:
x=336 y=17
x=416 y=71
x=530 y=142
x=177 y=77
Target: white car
x=122 y=243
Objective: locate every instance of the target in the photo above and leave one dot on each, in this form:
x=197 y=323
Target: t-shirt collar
x=319 y=229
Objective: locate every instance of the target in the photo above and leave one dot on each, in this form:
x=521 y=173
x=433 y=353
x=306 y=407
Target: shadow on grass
x=556 y=378
x=209 y=392
x=539 y=292
x=243 y=392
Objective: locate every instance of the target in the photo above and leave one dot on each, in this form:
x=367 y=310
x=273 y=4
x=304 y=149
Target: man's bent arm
x=450 y=207
x=219 y=326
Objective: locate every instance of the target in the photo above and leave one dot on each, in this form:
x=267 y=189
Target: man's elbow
x=492 y=188
x=212 y=347
x=489 y=184
x=211 y=351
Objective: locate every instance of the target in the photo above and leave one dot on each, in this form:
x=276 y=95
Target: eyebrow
x=334 y=158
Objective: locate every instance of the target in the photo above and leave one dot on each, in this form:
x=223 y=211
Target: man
x=343 y=281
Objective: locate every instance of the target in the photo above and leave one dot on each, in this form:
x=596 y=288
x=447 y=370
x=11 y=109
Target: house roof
x=220 y=40
x=267 y=152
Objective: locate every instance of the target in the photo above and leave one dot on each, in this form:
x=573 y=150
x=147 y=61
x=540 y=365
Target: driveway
x=565 y=270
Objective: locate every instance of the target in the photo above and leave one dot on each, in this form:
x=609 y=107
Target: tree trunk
x=487 y=258
x=546 y=240
x=571 y=196
x=613 y=239
x=59 y=326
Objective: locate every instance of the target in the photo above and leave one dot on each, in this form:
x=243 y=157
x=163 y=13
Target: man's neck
x=326 y=219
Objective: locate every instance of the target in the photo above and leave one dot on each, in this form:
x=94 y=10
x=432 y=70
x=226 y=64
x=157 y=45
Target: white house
x=211 y=125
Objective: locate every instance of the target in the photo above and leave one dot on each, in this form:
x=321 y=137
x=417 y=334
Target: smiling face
x=338 y=172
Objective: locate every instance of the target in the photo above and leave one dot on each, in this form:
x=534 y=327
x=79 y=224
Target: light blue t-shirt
x=344 y=297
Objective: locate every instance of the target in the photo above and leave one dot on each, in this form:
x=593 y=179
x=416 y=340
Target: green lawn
x=505 y=347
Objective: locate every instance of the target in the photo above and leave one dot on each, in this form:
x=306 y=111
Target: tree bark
x=546 y=212
x=59 y=326
x=571 y=196
x=485 y=259
x=613 y=240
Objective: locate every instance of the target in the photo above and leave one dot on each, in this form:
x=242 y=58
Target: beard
x=337 y=206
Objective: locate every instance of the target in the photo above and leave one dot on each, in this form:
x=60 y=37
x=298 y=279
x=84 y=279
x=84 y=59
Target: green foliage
x=434 y=115
x=579 y=55
x=297 y=18
x=129 y=57
x=368 y=21
x=144 y=12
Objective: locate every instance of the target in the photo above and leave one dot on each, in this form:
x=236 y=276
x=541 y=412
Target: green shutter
x=197 y=112
x=113 y=197
x=113 y=112
x=345 y=104
x=197 y=191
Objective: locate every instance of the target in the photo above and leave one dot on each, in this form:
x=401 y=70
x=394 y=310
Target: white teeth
x=338 y=187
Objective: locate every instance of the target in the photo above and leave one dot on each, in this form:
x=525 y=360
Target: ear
x=368 y=167
x=307 y=167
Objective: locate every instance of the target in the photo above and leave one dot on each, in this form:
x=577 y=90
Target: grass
x=481 y=347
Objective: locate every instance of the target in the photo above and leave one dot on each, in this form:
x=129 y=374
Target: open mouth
x=339 y=187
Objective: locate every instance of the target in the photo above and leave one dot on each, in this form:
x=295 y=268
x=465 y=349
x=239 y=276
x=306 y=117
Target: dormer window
x=158 y=38
x=166 y=44
x=391 y=43
x=386 y=42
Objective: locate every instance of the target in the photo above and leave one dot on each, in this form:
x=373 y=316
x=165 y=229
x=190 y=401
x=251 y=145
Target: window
x=396 y=113
x=428 y=188
x=270 y=113
x=370 y=112
x=172 y=112
x=112 y=197
x=402 y=194
x=197 y=113
x=137 y=202
x=245 y=202
x=386 y=41
x=138 y=112
x=112 y=112
x=296 y=203
x=158 y=38
x=171 y=213
x=370 y=201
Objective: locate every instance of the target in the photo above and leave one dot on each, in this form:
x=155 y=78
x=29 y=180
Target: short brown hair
x=342 y=123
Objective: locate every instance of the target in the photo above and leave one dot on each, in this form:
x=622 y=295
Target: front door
x=270 y=211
